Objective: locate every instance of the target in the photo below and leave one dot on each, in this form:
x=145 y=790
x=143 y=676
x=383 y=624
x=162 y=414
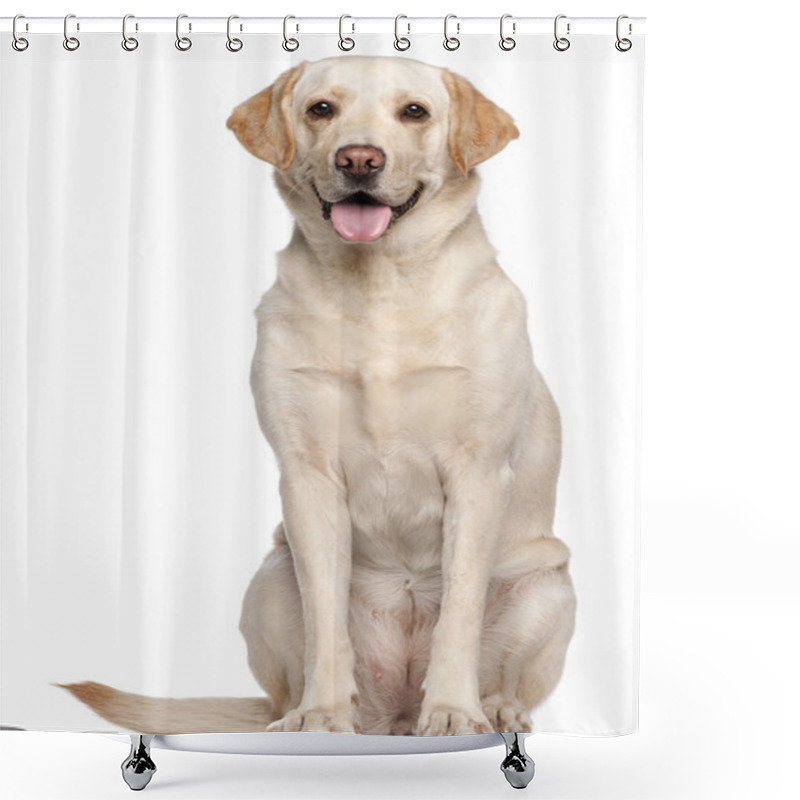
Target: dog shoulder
x=498 y=315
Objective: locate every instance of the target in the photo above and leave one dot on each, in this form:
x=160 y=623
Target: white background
x=719 y=695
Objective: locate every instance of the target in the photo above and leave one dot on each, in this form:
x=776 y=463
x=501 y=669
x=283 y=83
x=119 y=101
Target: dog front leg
x=477 y=497
x=317 y=525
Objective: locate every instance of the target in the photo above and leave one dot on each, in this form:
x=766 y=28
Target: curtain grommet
x=183 y=43
x=129 y=43
x=507 y=43
x=623 y=44
x=234 y=44
x=346 y=43
x=19 y=43
x=401 y=43
x=71 y=43
x=451 y=42
x=289 y=44
x=561 y=43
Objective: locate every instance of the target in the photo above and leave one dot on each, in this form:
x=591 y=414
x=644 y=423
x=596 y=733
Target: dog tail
x=163 y=715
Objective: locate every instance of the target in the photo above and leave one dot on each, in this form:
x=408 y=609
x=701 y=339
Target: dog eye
x=321 y=110
x=415 y=111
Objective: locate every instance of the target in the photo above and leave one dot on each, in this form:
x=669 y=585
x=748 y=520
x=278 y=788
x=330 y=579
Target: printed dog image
x=415 y=585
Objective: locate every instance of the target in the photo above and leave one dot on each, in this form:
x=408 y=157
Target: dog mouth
x=360 y=217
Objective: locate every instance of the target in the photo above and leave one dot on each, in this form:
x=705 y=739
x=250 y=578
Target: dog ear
x=263 y=123
x=478 y=127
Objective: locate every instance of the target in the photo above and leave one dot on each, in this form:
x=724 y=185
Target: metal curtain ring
x=623 y=45
x=401 y=42
x=233 y=44
x=290 y=44
x=561 y=43
x=507 y=42
x=71 y=43
x=129 y=43
x=451 y=42
x=345 y=42
x=183 y=43
x=18 y=42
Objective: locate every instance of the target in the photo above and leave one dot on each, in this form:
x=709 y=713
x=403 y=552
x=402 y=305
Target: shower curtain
x=387 y=465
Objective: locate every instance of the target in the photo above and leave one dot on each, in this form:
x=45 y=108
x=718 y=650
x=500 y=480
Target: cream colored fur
x=415 y=585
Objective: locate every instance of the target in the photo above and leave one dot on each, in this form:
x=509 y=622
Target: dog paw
x=445 y=721
x=330 y=720
x=507 y=716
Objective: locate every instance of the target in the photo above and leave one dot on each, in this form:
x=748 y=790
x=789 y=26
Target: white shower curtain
x=138 y=493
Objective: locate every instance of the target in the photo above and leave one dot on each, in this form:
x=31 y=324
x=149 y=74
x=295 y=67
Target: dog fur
x=415 y=584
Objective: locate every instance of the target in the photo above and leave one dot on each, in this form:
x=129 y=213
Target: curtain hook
x=507 y=42
x=451 y=42
x=183 y=43
x=129 y=43
x=233 y=44
x=71 y=43
x=623 y=45
x=561 y=43
x=401 y=42
x=289 y=44
x=345 y=42
x=18 y=42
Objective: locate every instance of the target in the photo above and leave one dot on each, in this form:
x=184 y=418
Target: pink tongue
x=359 y=222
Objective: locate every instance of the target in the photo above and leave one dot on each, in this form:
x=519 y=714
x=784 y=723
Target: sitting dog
x=415 y=584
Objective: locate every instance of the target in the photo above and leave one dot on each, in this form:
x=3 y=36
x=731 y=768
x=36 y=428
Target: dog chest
x=378 y=402
x=381 y=429
x=396 y=506
x=381 y=401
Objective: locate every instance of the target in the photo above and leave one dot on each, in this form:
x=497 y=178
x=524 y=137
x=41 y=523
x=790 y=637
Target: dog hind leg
x=528 y=624
x=272 y=626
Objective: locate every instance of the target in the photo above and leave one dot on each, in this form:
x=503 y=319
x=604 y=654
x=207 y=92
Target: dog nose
x=360 y=160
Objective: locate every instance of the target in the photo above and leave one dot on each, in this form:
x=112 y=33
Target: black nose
x=360 y=160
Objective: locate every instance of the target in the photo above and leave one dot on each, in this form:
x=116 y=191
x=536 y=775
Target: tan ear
x=478 y=128
x=263 y=123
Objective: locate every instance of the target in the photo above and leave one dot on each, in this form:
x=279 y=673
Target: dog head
x=360 y=142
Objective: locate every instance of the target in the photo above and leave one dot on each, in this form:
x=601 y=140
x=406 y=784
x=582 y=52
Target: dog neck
x=435 y=250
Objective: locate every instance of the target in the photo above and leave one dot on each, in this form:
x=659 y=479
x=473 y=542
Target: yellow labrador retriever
x=415 y=585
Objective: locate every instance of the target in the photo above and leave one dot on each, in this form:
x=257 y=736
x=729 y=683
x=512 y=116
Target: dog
x=415 y=585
